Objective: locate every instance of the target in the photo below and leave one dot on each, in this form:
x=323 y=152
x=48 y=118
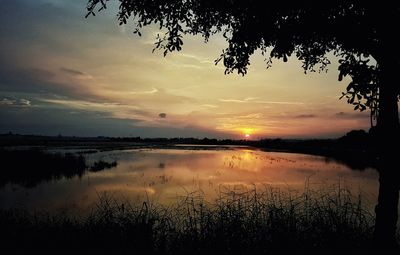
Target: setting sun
x=247 y=132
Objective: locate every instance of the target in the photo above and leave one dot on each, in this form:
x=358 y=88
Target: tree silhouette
x=360 y=33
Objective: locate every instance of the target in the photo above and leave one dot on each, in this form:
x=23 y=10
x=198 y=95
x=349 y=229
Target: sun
x=246 y=133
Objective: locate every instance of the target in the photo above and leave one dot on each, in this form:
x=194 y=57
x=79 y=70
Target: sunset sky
x=63 y=74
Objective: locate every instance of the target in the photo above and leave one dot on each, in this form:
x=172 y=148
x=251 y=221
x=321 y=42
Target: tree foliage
x=355 y=31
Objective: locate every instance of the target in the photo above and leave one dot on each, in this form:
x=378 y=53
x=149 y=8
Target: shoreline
x=356 y=155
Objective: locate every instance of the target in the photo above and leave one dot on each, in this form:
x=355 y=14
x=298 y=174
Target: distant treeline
x=38 y=140
x=354 y=139
x=356 y=148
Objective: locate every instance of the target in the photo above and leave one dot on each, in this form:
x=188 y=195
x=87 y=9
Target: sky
x=63 y=74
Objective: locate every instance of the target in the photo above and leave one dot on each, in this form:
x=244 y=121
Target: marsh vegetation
x=255 y=221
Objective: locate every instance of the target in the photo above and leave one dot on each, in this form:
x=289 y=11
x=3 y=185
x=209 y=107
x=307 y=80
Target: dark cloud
x=27 y=80
x=53 y=121
x=47 y=120
x=162 y=115
x=15 y=78
x=305 y=116
x=355 y=115
x=33 y=32
x=38 y=81
x=71 y=71
x=54 y=26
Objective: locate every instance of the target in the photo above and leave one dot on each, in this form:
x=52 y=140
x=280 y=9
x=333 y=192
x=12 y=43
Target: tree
x=360 y=33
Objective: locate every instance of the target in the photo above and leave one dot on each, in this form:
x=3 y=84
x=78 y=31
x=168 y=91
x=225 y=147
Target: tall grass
x=255 y=221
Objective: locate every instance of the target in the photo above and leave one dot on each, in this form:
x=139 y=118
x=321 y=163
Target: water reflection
x=29 y=168
x=162 y=175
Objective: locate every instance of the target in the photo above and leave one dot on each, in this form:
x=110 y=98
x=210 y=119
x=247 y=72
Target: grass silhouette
x=256 y=221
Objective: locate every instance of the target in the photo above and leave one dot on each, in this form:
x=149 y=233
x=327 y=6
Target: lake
x=166 y=175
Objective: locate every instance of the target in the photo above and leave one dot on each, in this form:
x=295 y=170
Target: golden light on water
x=209 y=171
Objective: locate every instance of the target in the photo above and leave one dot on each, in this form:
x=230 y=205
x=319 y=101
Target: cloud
x=245 y=100
x=210 y=105
x=40 y=80
x=116 y=110
x=256 y=101
x=157 y=98
x=24 y=102
x=162 y=115
x=341 y=114
x=233 y=101
x=152 y=91
x=355 y=115
x=37 y=37
x=250 y=116
x=53 y=121
x=189 y=61
x=88 y=122
x=71 y=71
x=305 y=116
x=53 y=24
x=280 y=102
x=9 y=101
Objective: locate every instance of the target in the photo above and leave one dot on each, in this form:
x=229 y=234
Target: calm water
x=164 y=175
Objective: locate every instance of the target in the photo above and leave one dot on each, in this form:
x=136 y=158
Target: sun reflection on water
x=164 y=175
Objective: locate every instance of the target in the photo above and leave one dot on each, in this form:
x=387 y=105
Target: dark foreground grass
x=252 y=222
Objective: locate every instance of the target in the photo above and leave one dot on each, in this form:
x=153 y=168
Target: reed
x=257 y=221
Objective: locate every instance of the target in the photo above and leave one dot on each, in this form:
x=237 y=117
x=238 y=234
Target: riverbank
x=355 y=149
